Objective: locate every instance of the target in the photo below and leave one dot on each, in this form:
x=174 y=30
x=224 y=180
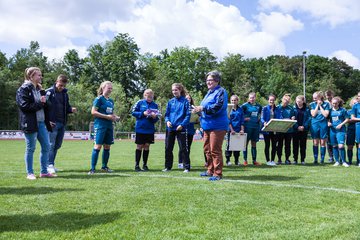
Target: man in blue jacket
x=58 y=97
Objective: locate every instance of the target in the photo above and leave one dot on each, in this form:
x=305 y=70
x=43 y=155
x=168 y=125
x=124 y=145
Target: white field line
x=249 y=182
x=340 y=190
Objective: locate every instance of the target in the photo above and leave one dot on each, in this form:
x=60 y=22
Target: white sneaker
x=51 y=169
x=345 y=164
x=359 y=164
x=271 y=163
x=336 y=164
x=180 y=165
x=165 y=170
x=31 y=177
x=228 y=164
x=186 y=170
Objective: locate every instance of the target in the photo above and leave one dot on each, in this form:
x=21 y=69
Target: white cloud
x=347 y=57
x=279 y=24
x=202 y=23
x=333 y=12
x=60 y=25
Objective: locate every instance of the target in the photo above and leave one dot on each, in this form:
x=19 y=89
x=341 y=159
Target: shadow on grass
x=70 y=221
x=263 y=178
x=34 y=190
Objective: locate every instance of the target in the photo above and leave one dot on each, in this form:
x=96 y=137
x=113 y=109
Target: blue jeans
x=30 y=141
x=56 y=139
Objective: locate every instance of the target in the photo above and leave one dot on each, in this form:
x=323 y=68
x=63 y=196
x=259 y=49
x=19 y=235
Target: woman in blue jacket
x=215 y=122
x=268 y=113
x=302 y=117
x=177 y=117
x=147 y=114
x=190 y=134
x=236 y=125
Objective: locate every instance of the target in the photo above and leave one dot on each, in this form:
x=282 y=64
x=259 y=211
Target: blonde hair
x=102 y=86
x=30 y=71
x=339 y=100
x=319 y=94
x=148 y=91
x=235 y=96
x=301 y=97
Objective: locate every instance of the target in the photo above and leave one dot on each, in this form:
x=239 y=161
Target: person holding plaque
x=236 y=126
x=268 y=113
x=285 y=111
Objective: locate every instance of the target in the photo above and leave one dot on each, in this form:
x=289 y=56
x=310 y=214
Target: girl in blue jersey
x=268 y=113
x=103 y=111
x=215 y=122
x=350 y=133
x=303 y=118
x=337 y=119
x=252 y=114
x=355 y=116
x=284 y=111
x=319 y=110
x=236 y=125
x=190 y=134
x=147 y=114
x=177 y=118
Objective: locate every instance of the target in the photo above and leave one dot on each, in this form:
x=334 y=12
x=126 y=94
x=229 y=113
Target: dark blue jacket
x=145 y=125
x=236 y=119
x=214 y=115
x=50 y=93
x=306 y=119
x=28 y=108
x=178 y=113
x=266 y=116
x=285 y=113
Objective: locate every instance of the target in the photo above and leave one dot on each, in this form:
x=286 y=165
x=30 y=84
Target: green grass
x=283 y=202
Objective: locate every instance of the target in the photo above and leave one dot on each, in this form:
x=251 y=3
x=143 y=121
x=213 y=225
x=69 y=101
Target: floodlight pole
x=304 y=73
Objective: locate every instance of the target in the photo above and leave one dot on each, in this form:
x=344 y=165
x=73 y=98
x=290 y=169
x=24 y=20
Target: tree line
x=119 y=60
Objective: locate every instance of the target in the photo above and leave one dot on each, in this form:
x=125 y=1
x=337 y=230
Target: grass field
x=282 y=202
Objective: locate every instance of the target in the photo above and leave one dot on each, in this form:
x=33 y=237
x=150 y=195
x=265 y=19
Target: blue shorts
x=337 y=137
x=350 y=137
x=252 y=134
x=103 y=136
x=319 y=131
x=357 y=133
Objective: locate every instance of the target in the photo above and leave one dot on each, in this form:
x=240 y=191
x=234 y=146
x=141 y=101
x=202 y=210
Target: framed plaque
x=279 y=125
x=237 y=142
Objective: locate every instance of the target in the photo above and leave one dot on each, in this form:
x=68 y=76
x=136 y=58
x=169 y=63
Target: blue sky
x=253 y=28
